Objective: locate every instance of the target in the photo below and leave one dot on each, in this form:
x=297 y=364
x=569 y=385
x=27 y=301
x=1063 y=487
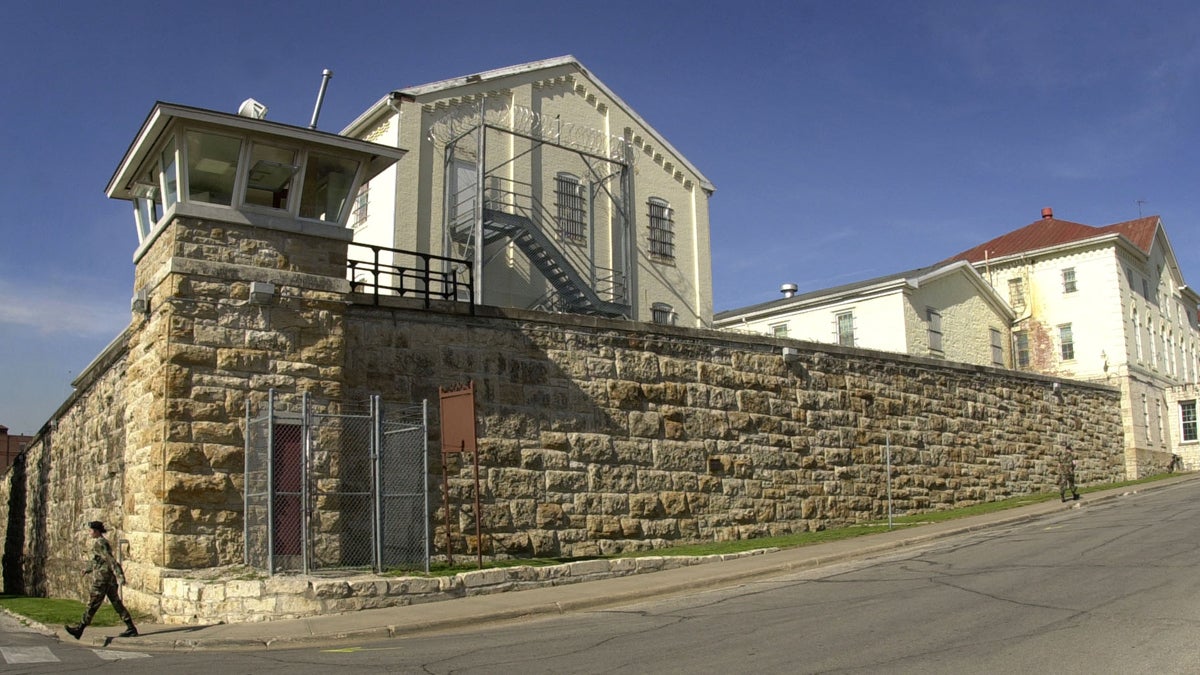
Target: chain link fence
x=334 y=489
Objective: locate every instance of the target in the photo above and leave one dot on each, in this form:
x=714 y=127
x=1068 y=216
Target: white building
x=559 y=195
x=946 y=311
x=1106 y=304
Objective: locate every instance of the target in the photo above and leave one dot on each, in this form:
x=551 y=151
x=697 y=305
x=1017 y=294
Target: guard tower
x=241 y=287
x=189 y=162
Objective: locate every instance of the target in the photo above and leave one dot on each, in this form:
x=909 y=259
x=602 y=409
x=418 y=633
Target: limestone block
x=477 y=579
x=645 y=424
x=566 y=481
x=587 y=568
x=644 y=505
x=240 y=589
x=603 y=527
x=325 y=589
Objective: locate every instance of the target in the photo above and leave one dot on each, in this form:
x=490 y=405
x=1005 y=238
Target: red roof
x=1051 y=231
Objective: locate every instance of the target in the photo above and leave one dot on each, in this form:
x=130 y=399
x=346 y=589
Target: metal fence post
x=425 y=476
x=305 y=492
x=376 y=483
x=271 y=481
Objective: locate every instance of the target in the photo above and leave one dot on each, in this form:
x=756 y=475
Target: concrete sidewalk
x=475 y=610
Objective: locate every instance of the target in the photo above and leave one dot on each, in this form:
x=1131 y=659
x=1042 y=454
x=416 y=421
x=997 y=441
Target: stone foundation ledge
x=243 y=595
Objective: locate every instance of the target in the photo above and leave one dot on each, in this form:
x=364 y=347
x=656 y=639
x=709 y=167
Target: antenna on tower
x=1139 y=203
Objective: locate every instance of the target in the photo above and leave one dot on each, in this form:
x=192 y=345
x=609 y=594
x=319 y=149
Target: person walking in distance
x=1066 y=475
x=107 y=579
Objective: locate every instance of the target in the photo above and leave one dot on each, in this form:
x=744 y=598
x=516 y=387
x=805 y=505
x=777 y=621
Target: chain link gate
x=327 y=490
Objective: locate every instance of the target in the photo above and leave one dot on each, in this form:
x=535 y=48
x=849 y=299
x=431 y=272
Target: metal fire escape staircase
x=521 y=218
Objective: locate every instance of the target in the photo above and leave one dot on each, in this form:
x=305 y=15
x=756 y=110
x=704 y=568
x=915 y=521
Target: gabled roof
x=871 y=287
x=1050 y=232
x=383 y=105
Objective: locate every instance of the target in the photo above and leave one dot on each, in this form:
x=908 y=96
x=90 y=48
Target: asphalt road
x=1107 y=588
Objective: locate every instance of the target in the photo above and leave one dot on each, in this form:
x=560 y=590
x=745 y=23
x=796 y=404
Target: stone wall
x=598 y=436
x=595 y=436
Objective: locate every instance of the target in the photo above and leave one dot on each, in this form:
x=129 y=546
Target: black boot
x=75 y=631
x=130 y=630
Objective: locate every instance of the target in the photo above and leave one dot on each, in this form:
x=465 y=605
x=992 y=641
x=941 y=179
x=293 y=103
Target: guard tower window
x=269 y=180
x=212 y=162
x=572 y=208
x=170 y=176
x=327 y=182
x=662 y=230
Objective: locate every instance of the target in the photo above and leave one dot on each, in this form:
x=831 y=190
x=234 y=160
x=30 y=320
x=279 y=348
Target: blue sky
x=846 y=139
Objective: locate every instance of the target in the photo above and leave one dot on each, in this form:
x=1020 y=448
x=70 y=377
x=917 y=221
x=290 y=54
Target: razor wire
x=464 y=120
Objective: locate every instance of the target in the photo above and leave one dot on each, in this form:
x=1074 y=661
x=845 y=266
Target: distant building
x=945 y=311
x=561 y=195
x=11 y=446
x=1105 y=304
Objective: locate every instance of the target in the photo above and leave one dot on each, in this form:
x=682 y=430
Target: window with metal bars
x=662 y=313
x=572 y=208
x=662 y=230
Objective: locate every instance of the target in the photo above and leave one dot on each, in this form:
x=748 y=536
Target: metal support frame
x=620 y=232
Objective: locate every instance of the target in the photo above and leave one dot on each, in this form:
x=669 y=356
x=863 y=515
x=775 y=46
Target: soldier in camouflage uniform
x=1066 y=475
x=107 y=579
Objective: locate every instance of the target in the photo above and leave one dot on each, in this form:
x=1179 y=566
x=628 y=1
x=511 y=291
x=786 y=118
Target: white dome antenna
x=252 y=109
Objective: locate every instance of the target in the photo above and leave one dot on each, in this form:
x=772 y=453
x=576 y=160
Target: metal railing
x=381 y=271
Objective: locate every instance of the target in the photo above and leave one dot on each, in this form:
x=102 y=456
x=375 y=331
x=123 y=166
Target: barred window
x=662 y=313
x=572 y=208
x=662 y=230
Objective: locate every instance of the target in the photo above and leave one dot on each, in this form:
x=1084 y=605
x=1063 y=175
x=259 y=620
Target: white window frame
x=1016 y=293
x=1021 y=356
x=1066 y=342
x=1070 y=284
x=844 y=332
x=1189 y=432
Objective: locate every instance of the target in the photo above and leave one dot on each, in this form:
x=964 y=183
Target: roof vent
x=1047 y=213
x=788 y=290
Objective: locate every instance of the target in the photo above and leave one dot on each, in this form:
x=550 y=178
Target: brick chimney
x=1047 y=213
